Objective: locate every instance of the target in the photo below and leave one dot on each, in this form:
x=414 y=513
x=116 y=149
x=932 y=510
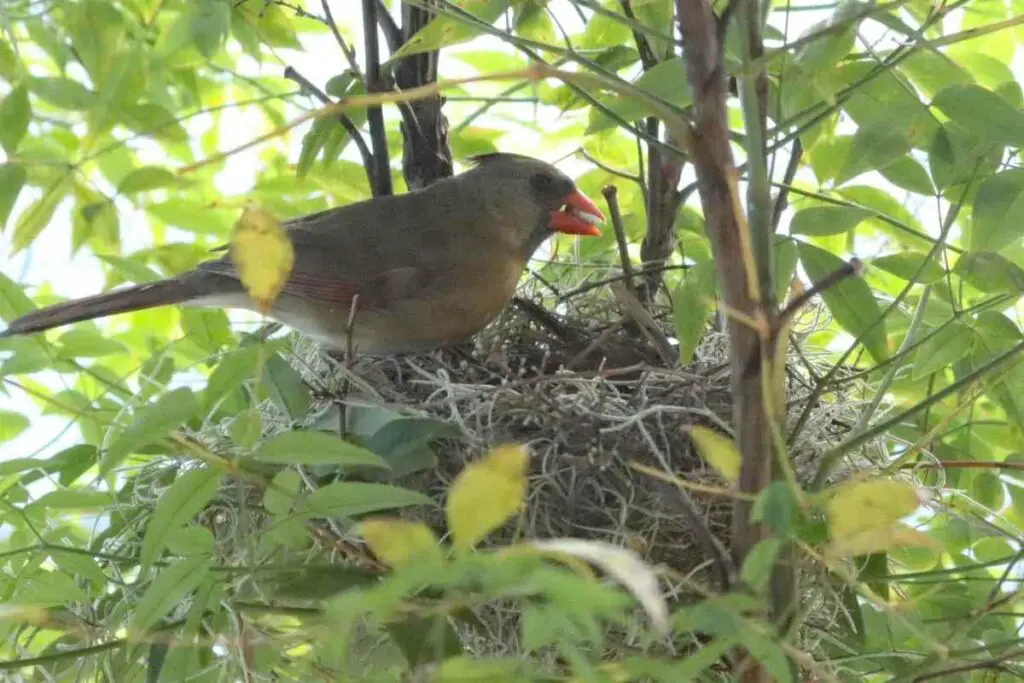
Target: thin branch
x=993 y=663
x=364 y=152
x=643 y=46
x=781 y=321
x=782 y=198
x=346 y=49
x=392 y=33
x=374 y=114
x=608 y=169
x=610 y=193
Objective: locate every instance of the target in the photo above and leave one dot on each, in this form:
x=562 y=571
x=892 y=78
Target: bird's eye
x=542 y=182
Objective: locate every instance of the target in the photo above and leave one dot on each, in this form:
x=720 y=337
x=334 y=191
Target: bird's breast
x=449 y=309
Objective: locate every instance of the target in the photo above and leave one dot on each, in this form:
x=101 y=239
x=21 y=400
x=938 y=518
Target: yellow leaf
x=25 y=614
x=486 y=493
x=397 y=541
x=857 y=507
x=877 y=540
x=718 y=451
x=263 y=255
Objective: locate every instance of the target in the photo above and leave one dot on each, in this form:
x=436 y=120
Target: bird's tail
x=150 y=295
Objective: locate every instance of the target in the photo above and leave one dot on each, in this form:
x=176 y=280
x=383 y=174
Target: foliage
x=132 y=549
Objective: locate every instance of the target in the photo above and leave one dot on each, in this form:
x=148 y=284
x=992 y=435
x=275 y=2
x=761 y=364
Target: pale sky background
x=49 y=260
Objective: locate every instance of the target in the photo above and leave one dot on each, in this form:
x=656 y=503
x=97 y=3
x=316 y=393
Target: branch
x=643 y=46
x=738 y=276
x=782 y=199
x=364 y=152
x=426 y=154
x=346 y=49
x=381 y=184
x=610 y=193
x=392 y=33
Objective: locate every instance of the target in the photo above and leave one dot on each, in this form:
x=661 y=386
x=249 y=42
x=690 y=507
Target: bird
x=415 y=272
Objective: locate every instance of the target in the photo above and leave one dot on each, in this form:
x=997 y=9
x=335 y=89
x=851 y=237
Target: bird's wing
x=349 y=251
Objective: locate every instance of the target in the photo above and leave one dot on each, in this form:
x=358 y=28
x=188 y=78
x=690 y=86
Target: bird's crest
x=479 y=159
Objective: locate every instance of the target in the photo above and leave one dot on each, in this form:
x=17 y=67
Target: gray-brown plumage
x=430 y=268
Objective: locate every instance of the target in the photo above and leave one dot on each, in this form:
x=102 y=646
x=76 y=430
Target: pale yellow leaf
x=856 y=507
x=24 y=614
x=718 y=451
x=877 y=540
x=486 y=493
x=396 y=541
x=624 y=565
x=263 y=255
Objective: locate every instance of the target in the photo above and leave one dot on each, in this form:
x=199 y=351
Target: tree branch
x=381 y=184
x=717 y=180
x=426 y=156
x=364 y=152
x=346 y=49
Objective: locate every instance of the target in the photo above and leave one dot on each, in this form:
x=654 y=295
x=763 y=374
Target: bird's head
x=542 y=199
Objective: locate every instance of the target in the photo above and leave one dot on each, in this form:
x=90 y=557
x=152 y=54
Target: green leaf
x=282 y=493
x=314 y=140
x=827 y=219
x=427 y=640
x=63 y=93
x=448 y=29
x=692 y=302
x=906 y=265
x=38 y=214
x=315 y=448
x=12 y=179
x=246 y=429
x=74 y=499
x=147 y=178
x=757 y=567
x=873 y=147
x=776 y=507
x=850 y=301
x=185 y=498
x=150 y=423
x=231 y=371
x=86 y=343
x=210 y=330
x=940 y=350
x=154 y=121
x=998 y=208
x=666 y=81
x=345 y=499
x=11 y=425
x=955 y=156
x=168 y=587
x=987 y=489
x=833 y=39
x=210 y=22
x=990 y=273
x=985 y=113
x=884 y=205
x=131 y=268
x=532 y=21
x=15 y=114
x=908 y=173
x=286 y=387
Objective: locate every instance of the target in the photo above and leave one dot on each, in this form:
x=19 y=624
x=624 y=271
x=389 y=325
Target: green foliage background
x=902 y=122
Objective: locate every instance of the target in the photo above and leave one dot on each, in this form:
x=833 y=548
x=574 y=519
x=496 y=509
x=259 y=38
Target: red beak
x=578 y=216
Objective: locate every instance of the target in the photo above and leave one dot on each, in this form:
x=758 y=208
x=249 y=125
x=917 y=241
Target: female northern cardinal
x=430 y=268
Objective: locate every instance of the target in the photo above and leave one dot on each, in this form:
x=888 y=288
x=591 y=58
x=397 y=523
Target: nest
x=589 y=393
x=591 y=396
